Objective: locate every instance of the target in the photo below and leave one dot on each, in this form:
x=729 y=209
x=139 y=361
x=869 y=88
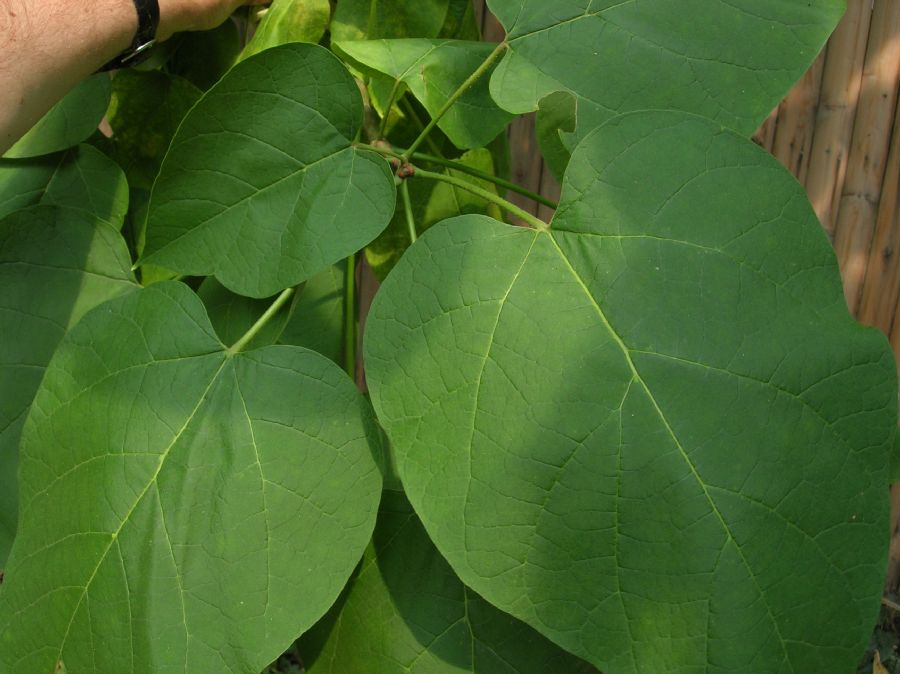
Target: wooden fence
x=837 y=132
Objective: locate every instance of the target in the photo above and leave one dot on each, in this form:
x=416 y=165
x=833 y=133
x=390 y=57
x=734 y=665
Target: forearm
x=48 y=46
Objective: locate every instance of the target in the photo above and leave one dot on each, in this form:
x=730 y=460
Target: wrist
x=174 y=17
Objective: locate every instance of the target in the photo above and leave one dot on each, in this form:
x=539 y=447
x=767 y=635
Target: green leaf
x=555 y=120
x=729 y=60
x=203 y=57
x=263 y=186
x=182 y=506
x=82 y=178
x=432 y=202
x=652 y=431
x=233 y=315
x=55 y=265
x=317 y=321
x=144 y=113
x=68 y=122
x=290 y=21
x=433 y=70
x=407 y=613
x=373 y=19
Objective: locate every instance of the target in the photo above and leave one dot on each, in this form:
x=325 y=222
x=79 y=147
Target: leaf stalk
x=455 y=96
x=400 y=153
x=407 y=209
x=267 y=316
x=481 y=175
x=350 y=317
x=532 y=221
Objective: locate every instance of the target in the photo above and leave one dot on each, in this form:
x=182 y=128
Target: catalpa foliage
x=644 y=435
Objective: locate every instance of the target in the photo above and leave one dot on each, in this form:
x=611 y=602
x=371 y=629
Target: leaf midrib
x=637 y=377
x=205 y=224
x=150 y=483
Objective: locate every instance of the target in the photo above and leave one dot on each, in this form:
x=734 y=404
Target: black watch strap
x=148 y=22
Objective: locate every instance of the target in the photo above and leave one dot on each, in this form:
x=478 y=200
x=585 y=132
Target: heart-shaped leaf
x=729 y=60
x=55 y=265
x=82 y=178
x=262 y=185
x=652 y=432
x=433 y=70
x=407 y=613
x=182 y=505
x=68 y=122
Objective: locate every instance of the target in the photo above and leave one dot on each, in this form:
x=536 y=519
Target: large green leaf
x=433 y=70
x=432 y=202
x=652 y=431
x=729 y=60
x=262 y=185
x=372 y=19
x=55 y=264
x=290 y=21
x=183 y=509
x=68 y=122
x=407 y=613
x=82 y=178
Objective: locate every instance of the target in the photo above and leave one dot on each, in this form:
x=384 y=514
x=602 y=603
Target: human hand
x=176 y=16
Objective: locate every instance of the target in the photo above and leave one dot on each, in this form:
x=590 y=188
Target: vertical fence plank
x=527 y=164
x=765 y=134
x=796 y=123
x=858 y=212
x=881 y=291
x=479 y=12
x=838 y=99
x=550 y=188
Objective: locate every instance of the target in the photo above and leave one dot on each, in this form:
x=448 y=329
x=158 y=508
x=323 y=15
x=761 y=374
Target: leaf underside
x=652 y=432
x=182 y=506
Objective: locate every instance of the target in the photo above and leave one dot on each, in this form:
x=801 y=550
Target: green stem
x=482 y=175
x=350 y=317
x=387 y=112
x=407 y=208
x=484 y=194
x=399 y=153
x=410 y=111
x=474 y=77
x=279 y=302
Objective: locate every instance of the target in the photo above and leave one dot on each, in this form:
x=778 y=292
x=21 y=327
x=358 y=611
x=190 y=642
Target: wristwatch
x=148 y=22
